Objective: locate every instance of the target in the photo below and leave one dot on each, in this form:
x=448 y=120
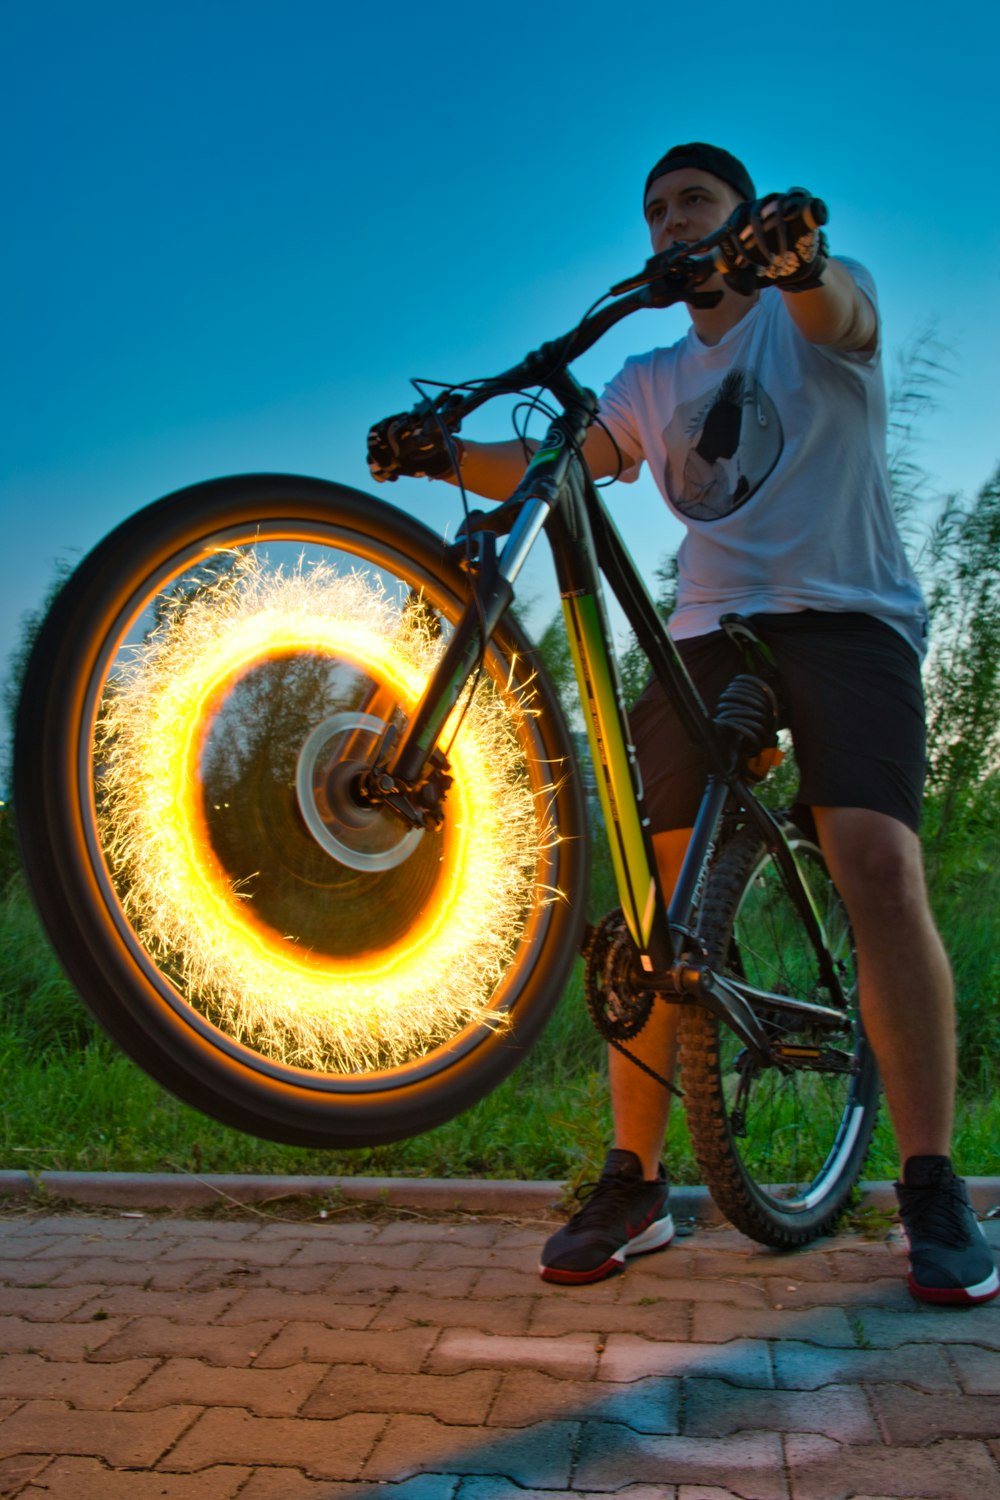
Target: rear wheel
x=200 y=703
x=780 y=1150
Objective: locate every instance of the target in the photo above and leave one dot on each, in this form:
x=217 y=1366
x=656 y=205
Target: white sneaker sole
x=656 y=1237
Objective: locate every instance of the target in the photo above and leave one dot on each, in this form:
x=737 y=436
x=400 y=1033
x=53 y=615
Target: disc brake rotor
x=329 y=764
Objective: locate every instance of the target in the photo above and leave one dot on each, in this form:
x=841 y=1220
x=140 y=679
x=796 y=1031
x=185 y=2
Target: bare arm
x=837 y=313
x=494 y=469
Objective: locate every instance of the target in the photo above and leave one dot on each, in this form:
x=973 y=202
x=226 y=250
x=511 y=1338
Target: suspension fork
x=541 y=491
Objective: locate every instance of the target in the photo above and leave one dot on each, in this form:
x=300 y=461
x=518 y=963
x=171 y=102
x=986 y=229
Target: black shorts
x=851 y=697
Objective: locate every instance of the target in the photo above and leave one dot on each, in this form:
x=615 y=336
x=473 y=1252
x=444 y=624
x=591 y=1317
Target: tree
x=632 y=660
x=963 y=673
x=17 y=662
x=17 y=665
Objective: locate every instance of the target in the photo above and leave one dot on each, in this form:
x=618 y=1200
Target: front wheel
x=199 y=705
x=780 y=1150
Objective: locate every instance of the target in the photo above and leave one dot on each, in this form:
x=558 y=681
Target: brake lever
x=678 y=272
x=665 y=267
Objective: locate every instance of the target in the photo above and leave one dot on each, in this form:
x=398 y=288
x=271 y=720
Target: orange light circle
x=261 y=988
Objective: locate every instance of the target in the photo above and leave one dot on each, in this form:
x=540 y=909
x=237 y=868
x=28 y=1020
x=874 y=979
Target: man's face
x=685 y=206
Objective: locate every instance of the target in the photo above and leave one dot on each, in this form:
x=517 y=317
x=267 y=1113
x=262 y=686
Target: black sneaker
x=623 y=1215
x=950 y=1260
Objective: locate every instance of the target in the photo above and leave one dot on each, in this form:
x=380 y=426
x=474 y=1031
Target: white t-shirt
x=771 y=451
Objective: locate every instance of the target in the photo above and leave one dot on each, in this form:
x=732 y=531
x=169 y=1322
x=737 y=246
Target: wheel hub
x=330 y=764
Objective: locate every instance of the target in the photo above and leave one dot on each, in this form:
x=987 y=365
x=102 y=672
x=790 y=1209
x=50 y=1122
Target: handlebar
x=699 y=261
x=675 y=275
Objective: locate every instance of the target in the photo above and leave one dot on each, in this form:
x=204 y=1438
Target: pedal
x=815 y=1059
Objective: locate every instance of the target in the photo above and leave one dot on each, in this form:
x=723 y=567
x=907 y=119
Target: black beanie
x=706 y=158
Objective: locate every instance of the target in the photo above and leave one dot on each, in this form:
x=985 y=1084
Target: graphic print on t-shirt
x=721 y=447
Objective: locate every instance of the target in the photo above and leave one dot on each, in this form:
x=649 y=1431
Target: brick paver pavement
x=403 y=1359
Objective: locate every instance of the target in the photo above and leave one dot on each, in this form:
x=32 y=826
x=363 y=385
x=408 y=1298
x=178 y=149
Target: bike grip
x=816 y=213
x=798 y=204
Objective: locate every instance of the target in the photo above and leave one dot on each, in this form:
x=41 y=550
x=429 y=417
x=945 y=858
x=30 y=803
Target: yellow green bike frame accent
x=629 y=851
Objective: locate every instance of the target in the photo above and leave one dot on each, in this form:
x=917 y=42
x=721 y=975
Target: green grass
x=966 y=906
x=88 y=1108
x=73 y=1102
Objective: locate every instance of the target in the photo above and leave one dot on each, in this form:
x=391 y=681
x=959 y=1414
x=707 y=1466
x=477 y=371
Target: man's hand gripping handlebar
x=775 y=241
x=413 y=443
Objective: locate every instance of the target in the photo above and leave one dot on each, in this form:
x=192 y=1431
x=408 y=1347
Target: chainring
x=617 y=1008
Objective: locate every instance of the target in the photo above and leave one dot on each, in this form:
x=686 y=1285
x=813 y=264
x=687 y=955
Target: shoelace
x=606 y=1206
x=936 y=1213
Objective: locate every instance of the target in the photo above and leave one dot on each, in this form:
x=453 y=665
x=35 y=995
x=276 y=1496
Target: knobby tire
x=783 y=1174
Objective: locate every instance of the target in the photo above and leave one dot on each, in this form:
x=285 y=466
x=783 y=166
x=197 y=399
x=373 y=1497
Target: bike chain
x=605 y=949
x=620 y=1047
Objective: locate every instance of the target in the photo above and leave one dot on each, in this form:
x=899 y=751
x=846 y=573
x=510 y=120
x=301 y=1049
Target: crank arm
x=724 y=1000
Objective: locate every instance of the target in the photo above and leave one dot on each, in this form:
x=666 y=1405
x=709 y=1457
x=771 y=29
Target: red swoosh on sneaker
x=631 y=1233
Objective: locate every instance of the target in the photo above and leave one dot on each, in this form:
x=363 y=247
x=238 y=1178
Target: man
x=765 y=431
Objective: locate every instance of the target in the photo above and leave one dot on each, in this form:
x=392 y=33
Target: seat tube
x=619 y=781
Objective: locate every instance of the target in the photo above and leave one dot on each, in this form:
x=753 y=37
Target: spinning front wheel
x=206 y=693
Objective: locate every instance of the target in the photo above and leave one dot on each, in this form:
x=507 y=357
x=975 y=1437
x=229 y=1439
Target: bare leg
x=907 y=996
x=639 y=1104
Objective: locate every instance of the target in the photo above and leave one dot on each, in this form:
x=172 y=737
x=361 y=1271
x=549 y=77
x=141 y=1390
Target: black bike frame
x=556 y=494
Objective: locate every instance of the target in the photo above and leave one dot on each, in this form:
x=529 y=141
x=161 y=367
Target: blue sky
x=235 y=230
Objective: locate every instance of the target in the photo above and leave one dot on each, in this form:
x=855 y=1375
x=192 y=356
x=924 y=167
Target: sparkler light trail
x=262 y=931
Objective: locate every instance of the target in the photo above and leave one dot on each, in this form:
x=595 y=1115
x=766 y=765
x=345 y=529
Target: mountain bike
x=304 y=820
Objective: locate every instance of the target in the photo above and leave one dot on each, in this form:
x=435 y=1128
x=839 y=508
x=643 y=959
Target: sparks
x=259 y=929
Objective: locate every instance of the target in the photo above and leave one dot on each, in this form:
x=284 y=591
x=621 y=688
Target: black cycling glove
x=775 y=240
x=411 y=443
